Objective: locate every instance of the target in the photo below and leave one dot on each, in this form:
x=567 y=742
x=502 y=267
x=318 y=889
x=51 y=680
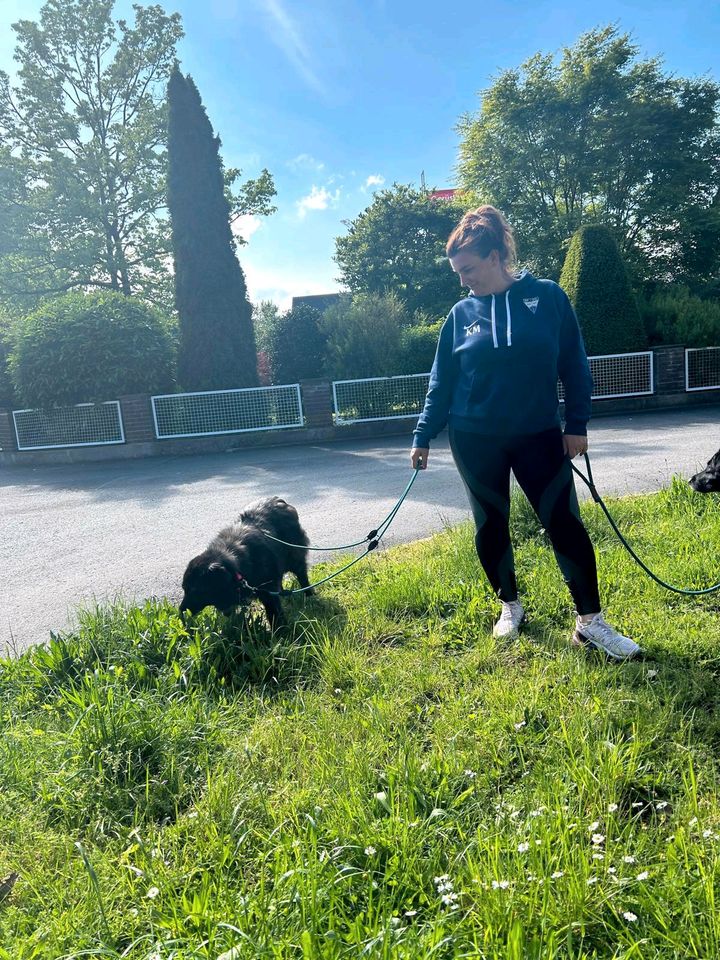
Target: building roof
x=320 y=301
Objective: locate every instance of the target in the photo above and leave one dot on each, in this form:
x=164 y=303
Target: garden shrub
x=91 y=347
x=595 y=278
x=417 y=348
x=364 y=336
x=674 y=315
x=294 y=345
x=7 y=395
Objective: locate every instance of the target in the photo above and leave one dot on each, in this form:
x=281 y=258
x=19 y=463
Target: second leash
x=588 y=481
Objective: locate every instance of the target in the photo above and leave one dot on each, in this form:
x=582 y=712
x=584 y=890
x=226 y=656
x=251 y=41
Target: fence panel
x=620 y=375
x=84 y=425
x=212 y=412
x=702 y=368
x=389 y=398
x=379 y=398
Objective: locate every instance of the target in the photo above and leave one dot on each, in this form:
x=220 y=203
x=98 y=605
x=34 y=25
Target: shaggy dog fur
x=708 y=480
x=241 y=556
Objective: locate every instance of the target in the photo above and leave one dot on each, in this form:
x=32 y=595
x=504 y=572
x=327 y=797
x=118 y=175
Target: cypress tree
x=595 y=278
x=217 y=340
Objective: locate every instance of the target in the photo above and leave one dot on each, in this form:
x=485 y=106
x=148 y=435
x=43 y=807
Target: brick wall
x=7 y=431
x=669 y=369
x=317 y=402
x=137 y=418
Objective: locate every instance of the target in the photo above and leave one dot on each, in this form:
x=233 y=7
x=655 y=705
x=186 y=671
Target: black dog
x=242 y=563
x=708 y=480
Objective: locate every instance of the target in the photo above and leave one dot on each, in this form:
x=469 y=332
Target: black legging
x=543 y=471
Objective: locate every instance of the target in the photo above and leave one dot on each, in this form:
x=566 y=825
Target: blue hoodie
x=498 y=361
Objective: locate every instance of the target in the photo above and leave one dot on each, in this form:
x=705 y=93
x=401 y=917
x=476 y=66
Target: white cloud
x=246 y=225
x=319 y=198
x=282 y=285
x=285 y=33
x=304 y=161
x=374 y=180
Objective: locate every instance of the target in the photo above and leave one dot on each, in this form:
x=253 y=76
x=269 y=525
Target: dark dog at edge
x=242 y=563
x=708 y=480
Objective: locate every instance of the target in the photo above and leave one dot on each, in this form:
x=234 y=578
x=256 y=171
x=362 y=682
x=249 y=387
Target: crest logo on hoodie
x=531 y=303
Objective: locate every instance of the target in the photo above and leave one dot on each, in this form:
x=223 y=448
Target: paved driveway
x=81 y=534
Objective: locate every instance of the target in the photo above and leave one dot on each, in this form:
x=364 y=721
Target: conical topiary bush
x=595 y=278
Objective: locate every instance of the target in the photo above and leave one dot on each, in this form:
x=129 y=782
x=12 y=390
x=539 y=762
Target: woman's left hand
x=574 y=445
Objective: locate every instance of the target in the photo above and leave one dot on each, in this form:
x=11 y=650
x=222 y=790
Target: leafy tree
x=7 y=393
x=364 y=335
x=397 y=245
x=217 y=341
x=295 y=345
x=83 y=163
x=265 y=315
x=595 y=278
x=601 y=136
x=86 y=347
x=87 y=121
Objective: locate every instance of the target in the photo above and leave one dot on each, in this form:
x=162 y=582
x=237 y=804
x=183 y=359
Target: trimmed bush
x=417 y=348
x=294 y=344
x=91 y=347
x=595 y=278
x=674 y=315
x=364 y=336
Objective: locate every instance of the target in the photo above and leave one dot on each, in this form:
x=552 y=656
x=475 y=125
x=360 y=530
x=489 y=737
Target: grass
x=382 y=779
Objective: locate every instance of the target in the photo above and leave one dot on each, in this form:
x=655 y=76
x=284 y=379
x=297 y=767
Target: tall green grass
x=381 y=779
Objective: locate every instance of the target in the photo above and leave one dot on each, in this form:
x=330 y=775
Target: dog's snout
x=705 y=482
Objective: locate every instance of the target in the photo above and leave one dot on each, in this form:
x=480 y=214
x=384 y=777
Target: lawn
x=382 y=779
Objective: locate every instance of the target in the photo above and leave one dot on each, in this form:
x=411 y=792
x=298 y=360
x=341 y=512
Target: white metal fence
x=84 y=425
x=379 y=398
x=620 y=375
x=702 y=368
x=208 y=413
x=389 y=398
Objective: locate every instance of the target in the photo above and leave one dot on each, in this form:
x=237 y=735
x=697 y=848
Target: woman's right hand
x=419 y=457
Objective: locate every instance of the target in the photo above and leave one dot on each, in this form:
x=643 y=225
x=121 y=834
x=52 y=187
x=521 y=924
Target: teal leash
x=588 y=481
x=373 y=535
x=372 y=539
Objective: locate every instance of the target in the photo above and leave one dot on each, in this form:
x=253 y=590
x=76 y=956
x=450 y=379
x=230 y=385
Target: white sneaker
x=508 y=626
x=599 y=634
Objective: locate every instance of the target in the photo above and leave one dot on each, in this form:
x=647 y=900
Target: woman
x=494 y=382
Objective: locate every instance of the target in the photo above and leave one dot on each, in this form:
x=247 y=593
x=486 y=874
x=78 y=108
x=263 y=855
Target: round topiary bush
x=595 y=278
x=91 y=347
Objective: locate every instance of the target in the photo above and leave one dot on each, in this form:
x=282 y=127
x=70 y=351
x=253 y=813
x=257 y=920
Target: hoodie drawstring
x=508 y=327
x=492 y=321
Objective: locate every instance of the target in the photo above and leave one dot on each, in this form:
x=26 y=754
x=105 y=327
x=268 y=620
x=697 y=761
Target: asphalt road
x=75 y=535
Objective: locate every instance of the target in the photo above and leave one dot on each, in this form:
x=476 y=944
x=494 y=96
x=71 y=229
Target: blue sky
x=339 y=97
